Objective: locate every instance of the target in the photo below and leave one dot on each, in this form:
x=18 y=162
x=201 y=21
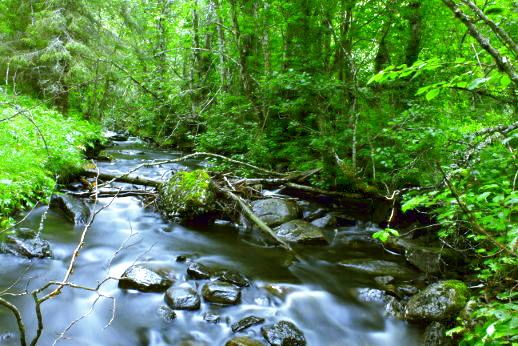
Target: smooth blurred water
x=319 y=296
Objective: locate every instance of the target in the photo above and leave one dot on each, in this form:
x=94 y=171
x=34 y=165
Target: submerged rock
x=166 y=313
x=393 y=307
x=435 y=335
x=73 y=208
x=440 y=301
x=378 y=267
x=246 y=322
x=198 y=271
x=234 y=278
x=300 y=231
x=187 y=195
x=221 y=293
x=182 y=297
x=141 y=278
x=243 y=341
x=324 y=222
x=283 y=333
x=26 y=243
x=211 y=318
x=274 y=211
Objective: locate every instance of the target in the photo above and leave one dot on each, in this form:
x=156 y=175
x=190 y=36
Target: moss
x=461 y=288
x=187 y=194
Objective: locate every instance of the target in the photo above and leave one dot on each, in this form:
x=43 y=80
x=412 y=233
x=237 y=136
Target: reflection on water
x=317 y=295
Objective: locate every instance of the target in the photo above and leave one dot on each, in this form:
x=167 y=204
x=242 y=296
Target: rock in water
x=187 y=195
x=221 y=293
x=246 y=322
x=440 y=301
x=166 y=314
x=378 y=267
x=182 y=297
x=26 y=243
x=283 y=333
x=243 y=341
x=274 y=211
x=140 y=278
x=300 y=231
x=75 y=209
x=234 y=278
x=435 y=335
x=198 y=271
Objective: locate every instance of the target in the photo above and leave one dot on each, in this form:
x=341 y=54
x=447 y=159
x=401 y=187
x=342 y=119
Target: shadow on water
x=316 y=294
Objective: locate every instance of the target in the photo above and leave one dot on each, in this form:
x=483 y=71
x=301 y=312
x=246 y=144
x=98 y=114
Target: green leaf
x=432 y=94
x=474 y=84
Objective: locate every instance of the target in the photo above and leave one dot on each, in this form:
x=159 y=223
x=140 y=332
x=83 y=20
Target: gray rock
x=182 y=297
x=243 y=341
x=283 y=333
x=246 y=322
x=234 y=278
x=274 y=211
x=440 y=301
x=26 y=243
x=312 y=214
x=393 y=307
x=300 y=231
x=141 y=278
x=435 y=335
x=198 y=271
x=166 y=313
x=221 y=293
x=325 y=222
x=384 y=280
x=378 y=267
x=73 y=208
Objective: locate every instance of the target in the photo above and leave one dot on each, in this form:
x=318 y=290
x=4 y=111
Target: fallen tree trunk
x=124 y=178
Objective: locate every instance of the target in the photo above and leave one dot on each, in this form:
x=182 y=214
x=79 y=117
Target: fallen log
x=123 y=178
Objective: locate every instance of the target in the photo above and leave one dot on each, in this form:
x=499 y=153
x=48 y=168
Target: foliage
x=37 y=145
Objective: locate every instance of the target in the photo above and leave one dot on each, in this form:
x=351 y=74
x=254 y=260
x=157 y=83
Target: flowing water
x=316 y=294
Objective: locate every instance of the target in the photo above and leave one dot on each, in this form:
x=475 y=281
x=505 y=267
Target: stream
x=317 y=295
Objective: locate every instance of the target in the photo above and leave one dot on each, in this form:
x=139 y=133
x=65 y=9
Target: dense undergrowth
x=38 y=145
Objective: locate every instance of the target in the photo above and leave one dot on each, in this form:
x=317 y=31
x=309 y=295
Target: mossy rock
x=187 y=195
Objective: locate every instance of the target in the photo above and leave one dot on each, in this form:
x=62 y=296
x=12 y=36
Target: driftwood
x=124 y=178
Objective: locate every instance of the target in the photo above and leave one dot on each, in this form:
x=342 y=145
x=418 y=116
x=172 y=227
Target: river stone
x=220 y=292
x=440 y=301
x=73 y=208
x=393 y=307
x=182 y=297
x=246 y=322
x=211 y=318
x=187 y=195
x=166 y=313
x=198 y=271
x=274 y=211
x=243 y=341
x=435 y=335
x=139 y=277
x=283 y=333
x=234 y=278
x=324 y=222
x=300 y=231
x=26 y=243
x=378 y=267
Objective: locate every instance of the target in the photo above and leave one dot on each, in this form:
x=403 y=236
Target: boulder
x=246 y=322
x=187 y=195
x=324 y=222
x=220 y=292
x=141 y=278
x=300 y=231
x=392 y=306
x=440 y=301
x=428 y=259
x=243 y=341
x=73 y=208
x=182 y=297
x=283 y=333
x=435 y=335
x=275 y=211
x=378 y=267
x=234 y=278
x=198 y=271
x=26 y=243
